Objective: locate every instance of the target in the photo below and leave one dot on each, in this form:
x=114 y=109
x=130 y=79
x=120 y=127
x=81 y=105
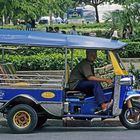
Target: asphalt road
x=74 y=133
x=55 y=131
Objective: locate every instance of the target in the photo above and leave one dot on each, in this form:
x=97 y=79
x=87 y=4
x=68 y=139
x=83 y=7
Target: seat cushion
x=74 y=93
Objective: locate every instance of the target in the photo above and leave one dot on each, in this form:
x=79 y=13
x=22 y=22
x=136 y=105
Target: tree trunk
x=50 y=14
x=4 y=19
x=97 y=14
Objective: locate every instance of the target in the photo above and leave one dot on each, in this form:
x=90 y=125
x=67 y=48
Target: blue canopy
x=43 y=39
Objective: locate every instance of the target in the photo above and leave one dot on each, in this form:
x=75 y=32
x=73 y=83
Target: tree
x=63 y=5
x=14 y=9
x=6 y=10
x=96 y=3
x=27 y=9
x=129 y=16
x=57 y=7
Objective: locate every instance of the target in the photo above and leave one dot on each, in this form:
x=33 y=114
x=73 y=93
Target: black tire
x=22 y=118
x=41 y=121
x=127 y=120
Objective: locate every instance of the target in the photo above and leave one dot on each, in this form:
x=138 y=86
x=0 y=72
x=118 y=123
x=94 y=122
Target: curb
x=84 y=123
x=75 y=123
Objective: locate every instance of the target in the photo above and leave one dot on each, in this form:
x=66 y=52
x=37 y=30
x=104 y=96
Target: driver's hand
x=109 y=81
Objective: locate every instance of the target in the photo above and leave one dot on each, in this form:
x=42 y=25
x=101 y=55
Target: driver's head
x=91 y=55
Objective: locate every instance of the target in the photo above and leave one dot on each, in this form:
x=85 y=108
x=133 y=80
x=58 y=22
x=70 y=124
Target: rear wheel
x=131 y=121
x=22 y=118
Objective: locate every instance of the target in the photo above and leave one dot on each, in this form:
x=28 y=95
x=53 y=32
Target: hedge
x=49 y=59
x=132 y=50
x=100 y=28
x=53 y=61
x=79 y=26
x=46 y=59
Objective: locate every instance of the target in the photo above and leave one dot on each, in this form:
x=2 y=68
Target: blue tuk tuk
x=27 y=103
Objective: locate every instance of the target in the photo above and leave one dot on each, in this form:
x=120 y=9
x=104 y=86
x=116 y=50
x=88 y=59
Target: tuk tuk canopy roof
x=57 y=40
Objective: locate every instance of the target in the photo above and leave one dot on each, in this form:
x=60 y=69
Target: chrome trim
x=131 y=96
x=126 y=81
x=27 y=96
x=66 y=107
x=129 y=120
x=21 y=95
x=32 y=88
x=116 y=110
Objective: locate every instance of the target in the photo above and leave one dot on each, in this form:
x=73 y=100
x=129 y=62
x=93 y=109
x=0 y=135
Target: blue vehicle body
x=86 y=106
x=8 y=94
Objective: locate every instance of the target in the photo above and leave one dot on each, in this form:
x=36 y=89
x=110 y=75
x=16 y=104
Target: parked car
x=46 y=20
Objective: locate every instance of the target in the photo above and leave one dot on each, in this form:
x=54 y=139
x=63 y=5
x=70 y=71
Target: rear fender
x=22 y=98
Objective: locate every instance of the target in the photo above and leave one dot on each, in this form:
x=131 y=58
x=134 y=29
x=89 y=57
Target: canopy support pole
x=66 y=68
x=2 y=55
x=72 y=51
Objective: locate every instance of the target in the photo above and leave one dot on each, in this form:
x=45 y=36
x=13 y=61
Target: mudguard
x=24 y=96
x=132 y=94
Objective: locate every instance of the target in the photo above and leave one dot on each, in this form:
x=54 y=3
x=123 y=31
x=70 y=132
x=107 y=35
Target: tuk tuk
x=27 y=103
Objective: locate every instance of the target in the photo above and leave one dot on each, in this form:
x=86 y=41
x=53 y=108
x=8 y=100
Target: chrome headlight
x=126 y=81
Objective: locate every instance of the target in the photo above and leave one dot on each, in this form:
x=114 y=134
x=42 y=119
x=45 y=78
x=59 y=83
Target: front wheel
x=128 y=120
x=22 y=118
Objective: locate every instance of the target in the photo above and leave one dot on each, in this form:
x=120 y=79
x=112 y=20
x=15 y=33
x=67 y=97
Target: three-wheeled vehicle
x=28 y=102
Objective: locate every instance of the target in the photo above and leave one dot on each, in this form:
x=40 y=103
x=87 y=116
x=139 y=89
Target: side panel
x=40 y=95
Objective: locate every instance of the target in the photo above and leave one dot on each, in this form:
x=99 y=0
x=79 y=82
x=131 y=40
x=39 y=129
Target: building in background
x=79 y=15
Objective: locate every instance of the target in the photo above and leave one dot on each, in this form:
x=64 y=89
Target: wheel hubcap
x=133 y=119
x=22 y=119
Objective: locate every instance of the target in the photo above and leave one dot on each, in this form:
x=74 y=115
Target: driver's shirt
x=81 y=72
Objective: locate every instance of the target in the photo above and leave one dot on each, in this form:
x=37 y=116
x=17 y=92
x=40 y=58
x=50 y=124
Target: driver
x=82 y=78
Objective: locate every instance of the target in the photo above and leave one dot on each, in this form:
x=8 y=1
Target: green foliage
x=27 y=9
x=53 y=60
x=100 y=29
x=46 y=59
x=128 y=16
x=136 y=73
x=80 y=26
x=132 y=50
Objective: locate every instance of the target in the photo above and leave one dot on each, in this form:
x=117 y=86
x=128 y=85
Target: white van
x=46 y=20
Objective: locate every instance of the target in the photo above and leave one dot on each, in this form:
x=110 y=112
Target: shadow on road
x=47 y=129
x=77 y=129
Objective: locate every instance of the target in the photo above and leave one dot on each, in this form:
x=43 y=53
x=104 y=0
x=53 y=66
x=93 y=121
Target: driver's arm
x=107 y=80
